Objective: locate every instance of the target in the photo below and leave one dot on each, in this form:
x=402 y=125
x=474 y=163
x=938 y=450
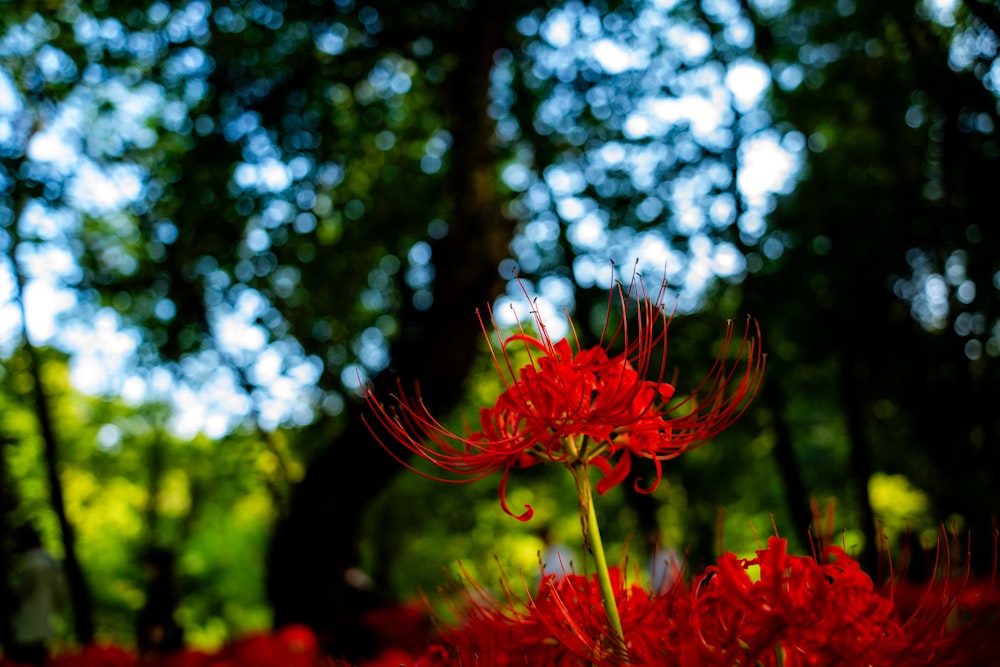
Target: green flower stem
x=592 y=539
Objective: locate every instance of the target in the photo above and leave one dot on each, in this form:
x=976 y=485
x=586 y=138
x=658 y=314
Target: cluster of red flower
x=772 y=610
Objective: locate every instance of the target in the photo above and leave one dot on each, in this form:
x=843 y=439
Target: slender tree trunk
x=796 y=496
x=79 y=592
x=860 y=460
x=8 y=501
x=154 y=464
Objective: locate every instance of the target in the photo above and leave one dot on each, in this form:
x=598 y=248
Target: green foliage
x=130 y=485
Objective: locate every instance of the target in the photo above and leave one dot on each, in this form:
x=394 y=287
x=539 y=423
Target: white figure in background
x=665 y=566
x=39 y=590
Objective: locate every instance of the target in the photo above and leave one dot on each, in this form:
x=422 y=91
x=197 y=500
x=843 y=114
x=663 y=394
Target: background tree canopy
x=220 y=218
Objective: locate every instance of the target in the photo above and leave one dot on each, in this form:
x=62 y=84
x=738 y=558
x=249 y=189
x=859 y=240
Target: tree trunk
x=796 y=496
x=860 y=459
x=8 y=502
x=79 y=592
x=314 y=549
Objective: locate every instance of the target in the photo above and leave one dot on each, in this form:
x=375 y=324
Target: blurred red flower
x=292 y=646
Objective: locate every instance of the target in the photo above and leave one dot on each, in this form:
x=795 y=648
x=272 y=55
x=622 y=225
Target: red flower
x=953 y=617
x=91 y=655
x=572 y=405
x=804 y=612
x=563 y=625
x=799 y=612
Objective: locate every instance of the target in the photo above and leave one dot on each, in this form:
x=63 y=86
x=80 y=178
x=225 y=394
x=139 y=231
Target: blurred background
x=218 y=218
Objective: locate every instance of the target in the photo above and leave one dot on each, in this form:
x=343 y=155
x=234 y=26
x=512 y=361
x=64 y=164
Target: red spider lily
x=563 y=625
x=576 y=405
x=954 y=615
x=827 y=612
x=800 y=612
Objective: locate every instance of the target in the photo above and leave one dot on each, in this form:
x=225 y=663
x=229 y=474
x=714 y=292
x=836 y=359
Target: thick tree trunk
x=314 y=549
